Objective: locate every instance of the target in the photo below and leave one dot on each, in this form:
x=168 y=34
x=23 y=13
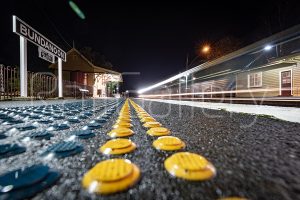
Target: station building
x=99 y=81
x=267 y=68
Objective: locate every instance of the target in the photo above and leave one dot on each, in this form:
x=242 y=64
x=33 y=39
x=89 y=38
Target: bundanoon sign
x=23 y=29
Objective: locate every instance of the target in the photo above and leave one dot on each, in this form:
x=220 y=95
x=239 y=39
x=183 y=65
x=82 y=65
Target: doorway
x=286 y=83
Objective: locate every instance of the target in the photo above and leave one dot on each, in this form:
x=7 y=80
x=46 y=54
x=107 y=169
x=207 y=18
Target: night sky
x=150 y=37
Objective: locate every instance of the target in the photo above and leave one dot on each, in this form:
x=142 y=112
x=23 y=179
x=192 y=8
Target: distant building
x=267 y=68
x=280 y=77
x=99 y=81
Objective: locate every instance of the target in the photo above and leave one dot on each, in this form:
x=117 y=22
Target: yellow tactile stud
x=168 y=143
x=123 y=119
x=124 y=116
x=122 y=124
x=120 y=132
x=151 y=124
x=189 y=166
x=127 y=111
x=118 y=146
x=158 y=131
x=111 y=176
x=141 y=115
x=124 y=111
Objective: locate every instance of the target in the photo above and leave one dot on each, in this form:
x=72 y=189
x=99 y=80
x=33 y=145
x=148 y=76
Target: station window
x=255 y=79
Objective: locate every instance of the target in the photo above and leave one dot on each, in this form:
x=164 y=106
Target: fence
x=40 y=85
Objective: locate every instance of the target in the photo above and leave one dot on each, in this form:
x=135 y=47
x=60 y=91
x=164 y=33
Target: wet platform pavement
x=257 y=161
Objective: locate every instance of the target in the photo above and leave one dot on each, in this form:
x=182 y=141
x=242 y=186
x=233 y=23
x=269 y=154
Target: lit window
x=255 y=79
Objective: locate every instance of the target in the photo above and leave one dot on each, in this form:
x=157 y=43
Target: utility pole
x=187 y=61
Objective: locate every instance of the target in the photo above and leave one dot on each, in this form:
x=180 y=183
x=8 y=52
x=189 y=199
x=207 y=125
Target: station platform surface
x=254 y=157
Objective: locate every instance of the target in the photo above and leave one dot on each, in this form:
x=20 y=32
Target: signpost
x=47 y=51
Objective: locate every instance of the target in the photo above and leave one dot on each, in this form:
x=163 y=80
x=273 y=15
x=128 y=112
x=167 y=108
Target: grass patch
x=266 y=116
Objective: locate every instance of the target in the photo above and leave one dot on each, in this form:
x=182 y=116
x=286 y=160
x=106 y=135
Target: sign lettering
x=23 y=29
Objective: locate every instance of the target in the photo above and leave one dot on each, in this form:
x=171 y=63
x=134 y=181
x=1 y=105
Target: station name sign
x=46 y=55
x=23 y=29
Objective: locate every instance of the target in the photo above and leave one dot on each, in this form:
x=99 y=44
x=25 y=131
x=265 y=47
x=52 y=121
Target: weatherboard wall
x=270 y=82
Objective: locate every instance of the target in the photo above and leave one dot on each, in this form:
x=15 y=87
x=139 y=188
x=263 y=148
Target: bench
x=83 y=92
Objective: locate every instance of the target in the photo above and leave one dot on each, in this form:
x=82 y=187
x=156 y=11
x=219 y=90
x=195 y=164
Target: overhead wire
x=52 y=24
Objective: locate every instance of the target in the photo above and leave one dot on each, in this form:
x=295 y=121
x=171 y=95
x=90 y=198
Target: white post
x=60 y=88
x=186 y=79
x=23 y=66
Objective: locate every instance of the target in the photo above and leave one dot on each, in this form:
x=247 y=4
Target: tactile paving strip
x=64 y=149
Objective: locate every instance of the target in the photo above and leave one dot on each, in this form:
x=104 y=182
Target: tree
x=88 y=53
x=96 y=58
x=111 y=88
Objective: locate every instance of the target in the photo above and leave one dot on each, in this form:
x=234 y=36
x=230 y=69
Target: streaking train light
x=264 y=90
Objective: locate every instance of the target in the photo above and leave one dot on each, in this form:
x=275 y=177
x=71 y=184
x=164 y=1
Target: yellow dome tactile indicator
x=189 y=166
x=124 y=117
x=151 y=124
x=123 y=120
x=118 y=146
x=120 y=132
x=110 y=176
x=158 y=131
x=122 y=124
x=143 y=115
x=168 y=143
x=127 y=111
x=124 y=114
x=147 y=119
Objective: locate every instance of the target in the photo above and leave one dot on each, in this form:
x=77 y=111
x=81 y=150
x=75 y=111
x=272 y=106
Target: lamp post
x=204 y=51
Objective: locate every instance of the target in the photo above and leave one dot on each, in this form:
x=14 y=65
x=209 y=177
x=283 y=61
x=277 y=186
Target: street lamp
x=268 y=47
x=205 y=49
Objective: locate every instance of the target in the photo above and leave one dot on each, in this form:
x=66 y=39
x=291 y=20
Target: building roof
x=91 y=67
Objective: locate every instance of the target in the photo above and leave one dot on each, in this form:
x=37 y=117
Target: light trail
x=215 y=92
x=276 y=39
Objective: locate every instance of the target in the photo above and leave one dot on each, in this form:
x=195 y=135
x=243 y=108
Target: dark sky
x=150 y=37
